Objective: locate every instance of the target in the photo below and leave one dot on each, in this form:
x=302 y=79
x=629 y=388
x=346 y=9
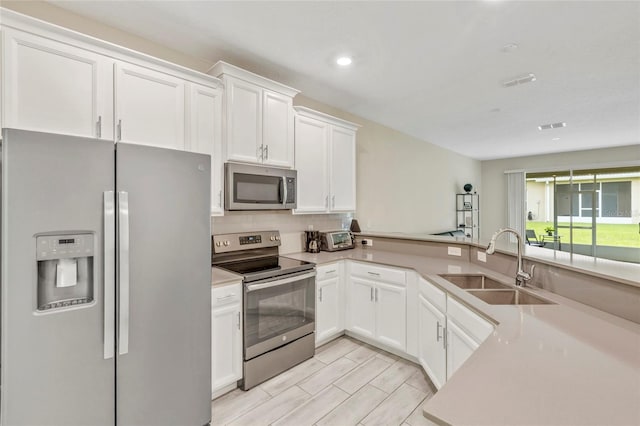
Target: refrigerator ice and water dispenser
x=65 y=270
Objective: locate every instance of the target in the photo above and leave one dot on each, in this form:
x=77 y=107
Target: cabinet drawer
x=327 y=271
x=433 y=294
x=477 y=327
x=226 y=294
x=381 y=273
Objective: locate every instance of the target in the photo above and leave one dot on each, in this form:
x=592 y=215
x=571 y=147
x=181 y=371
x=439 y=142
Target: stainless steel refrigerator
x=106 y=274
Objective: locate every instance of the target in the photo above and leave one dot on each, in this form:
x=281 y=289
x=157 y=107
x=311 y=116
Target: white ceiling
x=431 y=69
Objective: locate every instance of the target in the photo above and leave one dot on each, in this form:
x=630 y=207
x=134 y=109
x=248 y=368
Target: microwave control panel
x=291 y=190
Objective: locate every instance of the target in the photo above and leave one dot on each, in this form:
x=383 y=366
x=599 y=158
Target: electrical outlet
x=454 y=251
x=482 y=256
x=367 y=242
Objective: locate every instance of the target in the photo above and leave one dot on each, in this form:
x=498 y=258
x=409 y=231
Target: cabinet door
x=342 y=172
x=328 y=309
x=431 y=349
x=53 y=87
x=459 y=347
x=150 y=107
x=311 y=163
x=391 y=315
x=277 y=129
x=205 y=136
x=226 y=346
x=362 y=310
x=244 y=121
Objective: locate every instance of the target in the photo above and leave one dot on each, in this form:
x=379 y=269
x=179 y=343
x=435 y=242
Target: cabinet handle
x=376 y=293
x=373 y=273
x=438 y=326
x=260 y=152
x=330 y=272
x=238 y=320
x=99 y=127
x=326 y=202
x=220 y=198
x=320 y=295
x=266 y=152
x=333 y=202
x=227 y=296
x=444 y=338
x=119 y=130
x=372 y=294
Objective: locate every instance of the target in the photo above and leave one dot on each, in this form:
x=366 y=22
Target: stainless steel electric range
x=278 y=299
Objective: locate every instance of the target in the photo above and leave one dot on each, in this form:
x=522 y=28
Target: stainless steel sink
x=509 y=297
x=474 y=281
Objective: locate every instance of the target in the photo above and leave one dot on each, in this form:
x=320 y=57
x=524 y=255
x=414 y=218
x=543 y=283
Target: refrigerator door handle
x=123 y=272
x=109 y=283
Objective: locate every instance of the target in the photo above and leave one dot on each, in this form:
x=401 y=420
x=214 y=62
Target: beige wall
x=403 y=184
x=494 y=203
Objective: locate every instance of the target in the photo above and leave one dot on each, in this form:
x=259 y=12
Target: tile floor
x=347 y=382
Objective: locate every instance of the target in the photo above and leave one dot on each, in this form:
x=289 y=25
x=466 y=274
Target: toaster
x=335 y=240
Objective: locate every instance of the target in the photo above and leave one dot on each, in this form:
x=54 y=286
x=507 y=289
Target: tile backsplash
x=291 y=226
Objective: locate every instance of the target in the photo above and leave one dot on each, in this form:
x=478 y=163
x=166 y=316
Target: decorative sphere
x=468 y=187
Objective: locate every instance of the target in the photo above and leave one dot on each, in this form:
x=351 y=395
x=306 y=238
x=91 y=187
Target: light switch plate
x=482 y=256
x=454 y=251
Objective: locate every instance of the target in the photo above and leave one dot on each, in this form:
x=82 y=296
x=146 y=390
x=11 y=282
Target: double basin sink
x=493 y=292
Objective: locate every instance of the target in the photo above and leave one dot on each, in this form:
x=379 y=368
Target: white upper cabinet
x=205 y=136
x=343 y=169
x=312 y=164
x=258 y=123
x=325 y=161
x=150 y=107
x=53 y=87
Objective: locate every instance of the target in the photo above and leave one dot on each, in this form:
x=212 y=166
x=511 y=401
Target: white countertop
x=544 y=364
x=220 y=277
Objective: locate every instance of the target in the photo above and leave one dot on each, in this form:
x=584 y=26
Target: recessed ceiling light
x=528 y=78
x=344 y=61
x=552 y=126
x=555 y=139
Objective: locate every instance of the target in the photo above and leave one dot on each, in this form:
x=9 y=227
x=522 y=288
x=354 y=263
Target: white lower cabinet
x=329 y=302
x=226 y=337
x=448 y=332
x=378 y=304
x=465 y=331
x=432 y=352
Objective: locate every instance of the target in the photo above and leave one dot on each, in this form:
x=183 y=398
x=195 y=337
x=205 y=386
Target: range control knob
x=272 y=238
x=219 y=244
x=226 y=243
x=277 y=238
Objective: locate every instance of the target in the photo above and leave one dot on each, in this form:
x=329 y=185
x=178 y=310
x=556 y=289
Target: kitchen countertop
x=623 y=272
x=220 y=277
x=557 y=364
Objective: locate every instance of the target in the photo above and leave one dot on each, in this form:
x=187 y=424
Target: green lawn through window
x=606 y=234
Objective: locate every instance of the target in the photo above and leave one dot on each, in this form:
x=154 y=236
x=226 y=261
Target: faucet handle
x=531 y=272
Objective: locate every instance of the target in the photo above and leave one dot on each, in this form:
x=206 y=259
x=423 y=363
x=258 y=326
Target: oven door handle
x=255 y=287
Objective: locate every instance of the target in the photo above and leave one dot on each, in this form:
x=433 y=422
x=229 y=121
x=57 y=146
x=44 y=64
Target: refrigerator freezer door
x=53 y=367
x=165 y=377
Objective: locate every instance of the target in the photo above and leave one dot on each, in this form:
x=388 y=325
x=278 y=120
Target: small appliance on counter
x=312 y=241
x=336 y=240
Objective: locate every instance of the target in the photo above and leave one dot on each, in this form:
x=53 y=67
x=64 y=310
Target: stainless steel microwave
x=252 y=187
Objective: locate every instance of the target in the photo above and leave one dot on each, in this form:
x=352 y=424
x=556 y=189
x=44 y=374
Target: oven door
x=278 y=311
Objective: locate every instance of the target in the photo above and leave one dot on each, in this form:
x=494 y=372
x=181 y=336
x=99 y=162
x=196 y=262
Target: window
x=592 y=212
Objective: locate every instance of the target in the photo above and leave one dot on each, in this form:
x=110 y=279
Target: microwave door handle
x=284 y=191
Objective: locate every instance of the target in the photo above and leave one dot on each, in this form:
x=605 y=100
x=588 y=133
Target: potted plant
x=549 y=230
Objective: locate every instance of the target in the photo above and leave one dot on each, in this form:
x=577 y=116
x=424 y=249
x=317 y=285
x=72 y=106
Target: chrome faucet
x=522 y=277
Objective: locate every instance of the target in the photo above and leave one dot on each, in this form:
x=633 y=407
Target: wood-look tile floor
x=346 y=383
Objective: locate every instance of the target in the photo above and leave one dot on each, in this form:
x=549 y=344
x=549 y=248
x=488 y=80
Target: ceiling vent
x=552 y=126
x=519 y=80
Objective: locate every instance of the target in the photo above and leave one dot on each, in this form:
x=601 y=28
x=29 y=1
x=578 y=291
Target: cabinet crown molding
x=222 y=68
x=20 y=22
x=310 y=113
